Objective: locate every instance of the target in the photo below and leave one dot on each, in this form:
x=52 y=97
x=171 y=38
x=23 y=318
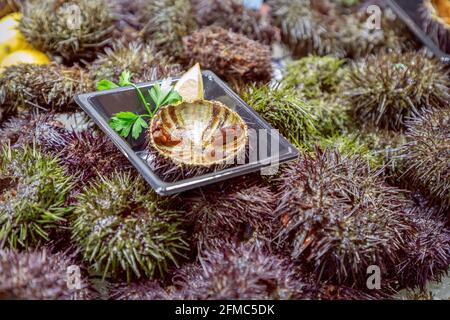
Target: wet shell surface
x=199 y=133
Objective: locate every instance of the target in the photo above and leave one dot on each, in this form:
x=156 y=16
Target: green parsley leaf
x=137 y=127
x=125 y=78
x=106 y=85
x=172 y=98
x=123 y=122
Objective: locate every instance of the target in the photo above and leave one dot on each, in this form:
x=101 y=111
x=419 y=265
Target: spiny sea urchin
x=358 y=40
x=386 y=89
x=49 y=87
x=284 y=109
x=38 y=275
x=42 y=129
x=313 y=76
x=229 y=54
x=244 y=271
x=142 y=290
x=230 y=209
x=166 y=22
x=73 y=29
x=328 y=205
x=427 y=254
x=232 y=15
x=331 y=115
x=33 y=190
x=123 y=228
x=350 y=145
x=135 y=57
x=170 y=171
x=303 y=26
x=426 y=156
x=88 y=154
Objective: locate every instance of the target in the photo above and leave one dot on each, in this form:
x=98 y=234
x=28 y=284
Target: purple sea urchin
x=49 y=87
x=232 y=15
x=33 y=190
x=72 y=29
x=43 y=130
x=229 y=54
x=123 y=228
x=243 y=271
x=37 y=275
x=166 y=22
x=427 y=254
x=89 y=154
x=426 y=155
x=328 y=204
x=228 y=209
x=143 y=290
x=386 y=89
x=134 y=57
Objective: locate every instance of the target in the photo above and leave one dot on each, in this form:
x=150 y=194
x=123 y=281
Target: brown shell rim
x=209 y=164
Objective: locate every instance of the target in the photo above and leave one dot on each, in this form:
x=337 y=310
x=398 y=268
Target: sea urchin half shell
x=200 y=133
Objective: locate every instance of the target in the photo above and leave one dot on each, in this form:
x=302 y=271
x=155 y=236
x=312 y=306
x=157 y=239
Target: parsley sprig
x=129 y=122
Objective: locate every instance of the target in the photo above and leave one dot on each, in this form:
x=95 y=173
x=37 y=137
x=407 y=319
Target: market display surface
x=364 y=110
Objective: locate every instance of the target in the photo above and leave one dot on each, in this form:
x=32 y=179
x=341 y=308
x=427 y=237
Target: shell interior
x=200 y=133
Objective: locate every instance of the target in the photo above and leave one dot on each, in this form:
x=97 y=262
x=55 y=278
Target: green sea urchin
x=284 y=109
x=328 y=204
x=313 y=76
x=38 y=275
x=49 y=87
x=33 y=190
x=426 y=156
x=123 y=228
x=230 y=55
x=232 y=15
x=350 y=145
x=245 y=271
x=166 y=22
x=229 y=210
x=386 y=89
x=72 y=29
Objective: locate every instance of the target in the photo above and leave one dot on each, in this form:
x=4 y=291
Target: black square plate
x=408 y=12
x=272 y=147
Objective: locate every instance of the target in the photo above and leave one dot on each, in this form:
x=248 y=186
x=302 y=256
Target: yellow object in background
x=11 y=39
x=24 y=56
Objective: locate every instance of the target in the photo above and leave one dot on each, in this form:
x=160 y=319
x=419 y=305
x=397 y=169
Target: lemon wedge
x=190 y=85
x=11 y=39
x=24 y=56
